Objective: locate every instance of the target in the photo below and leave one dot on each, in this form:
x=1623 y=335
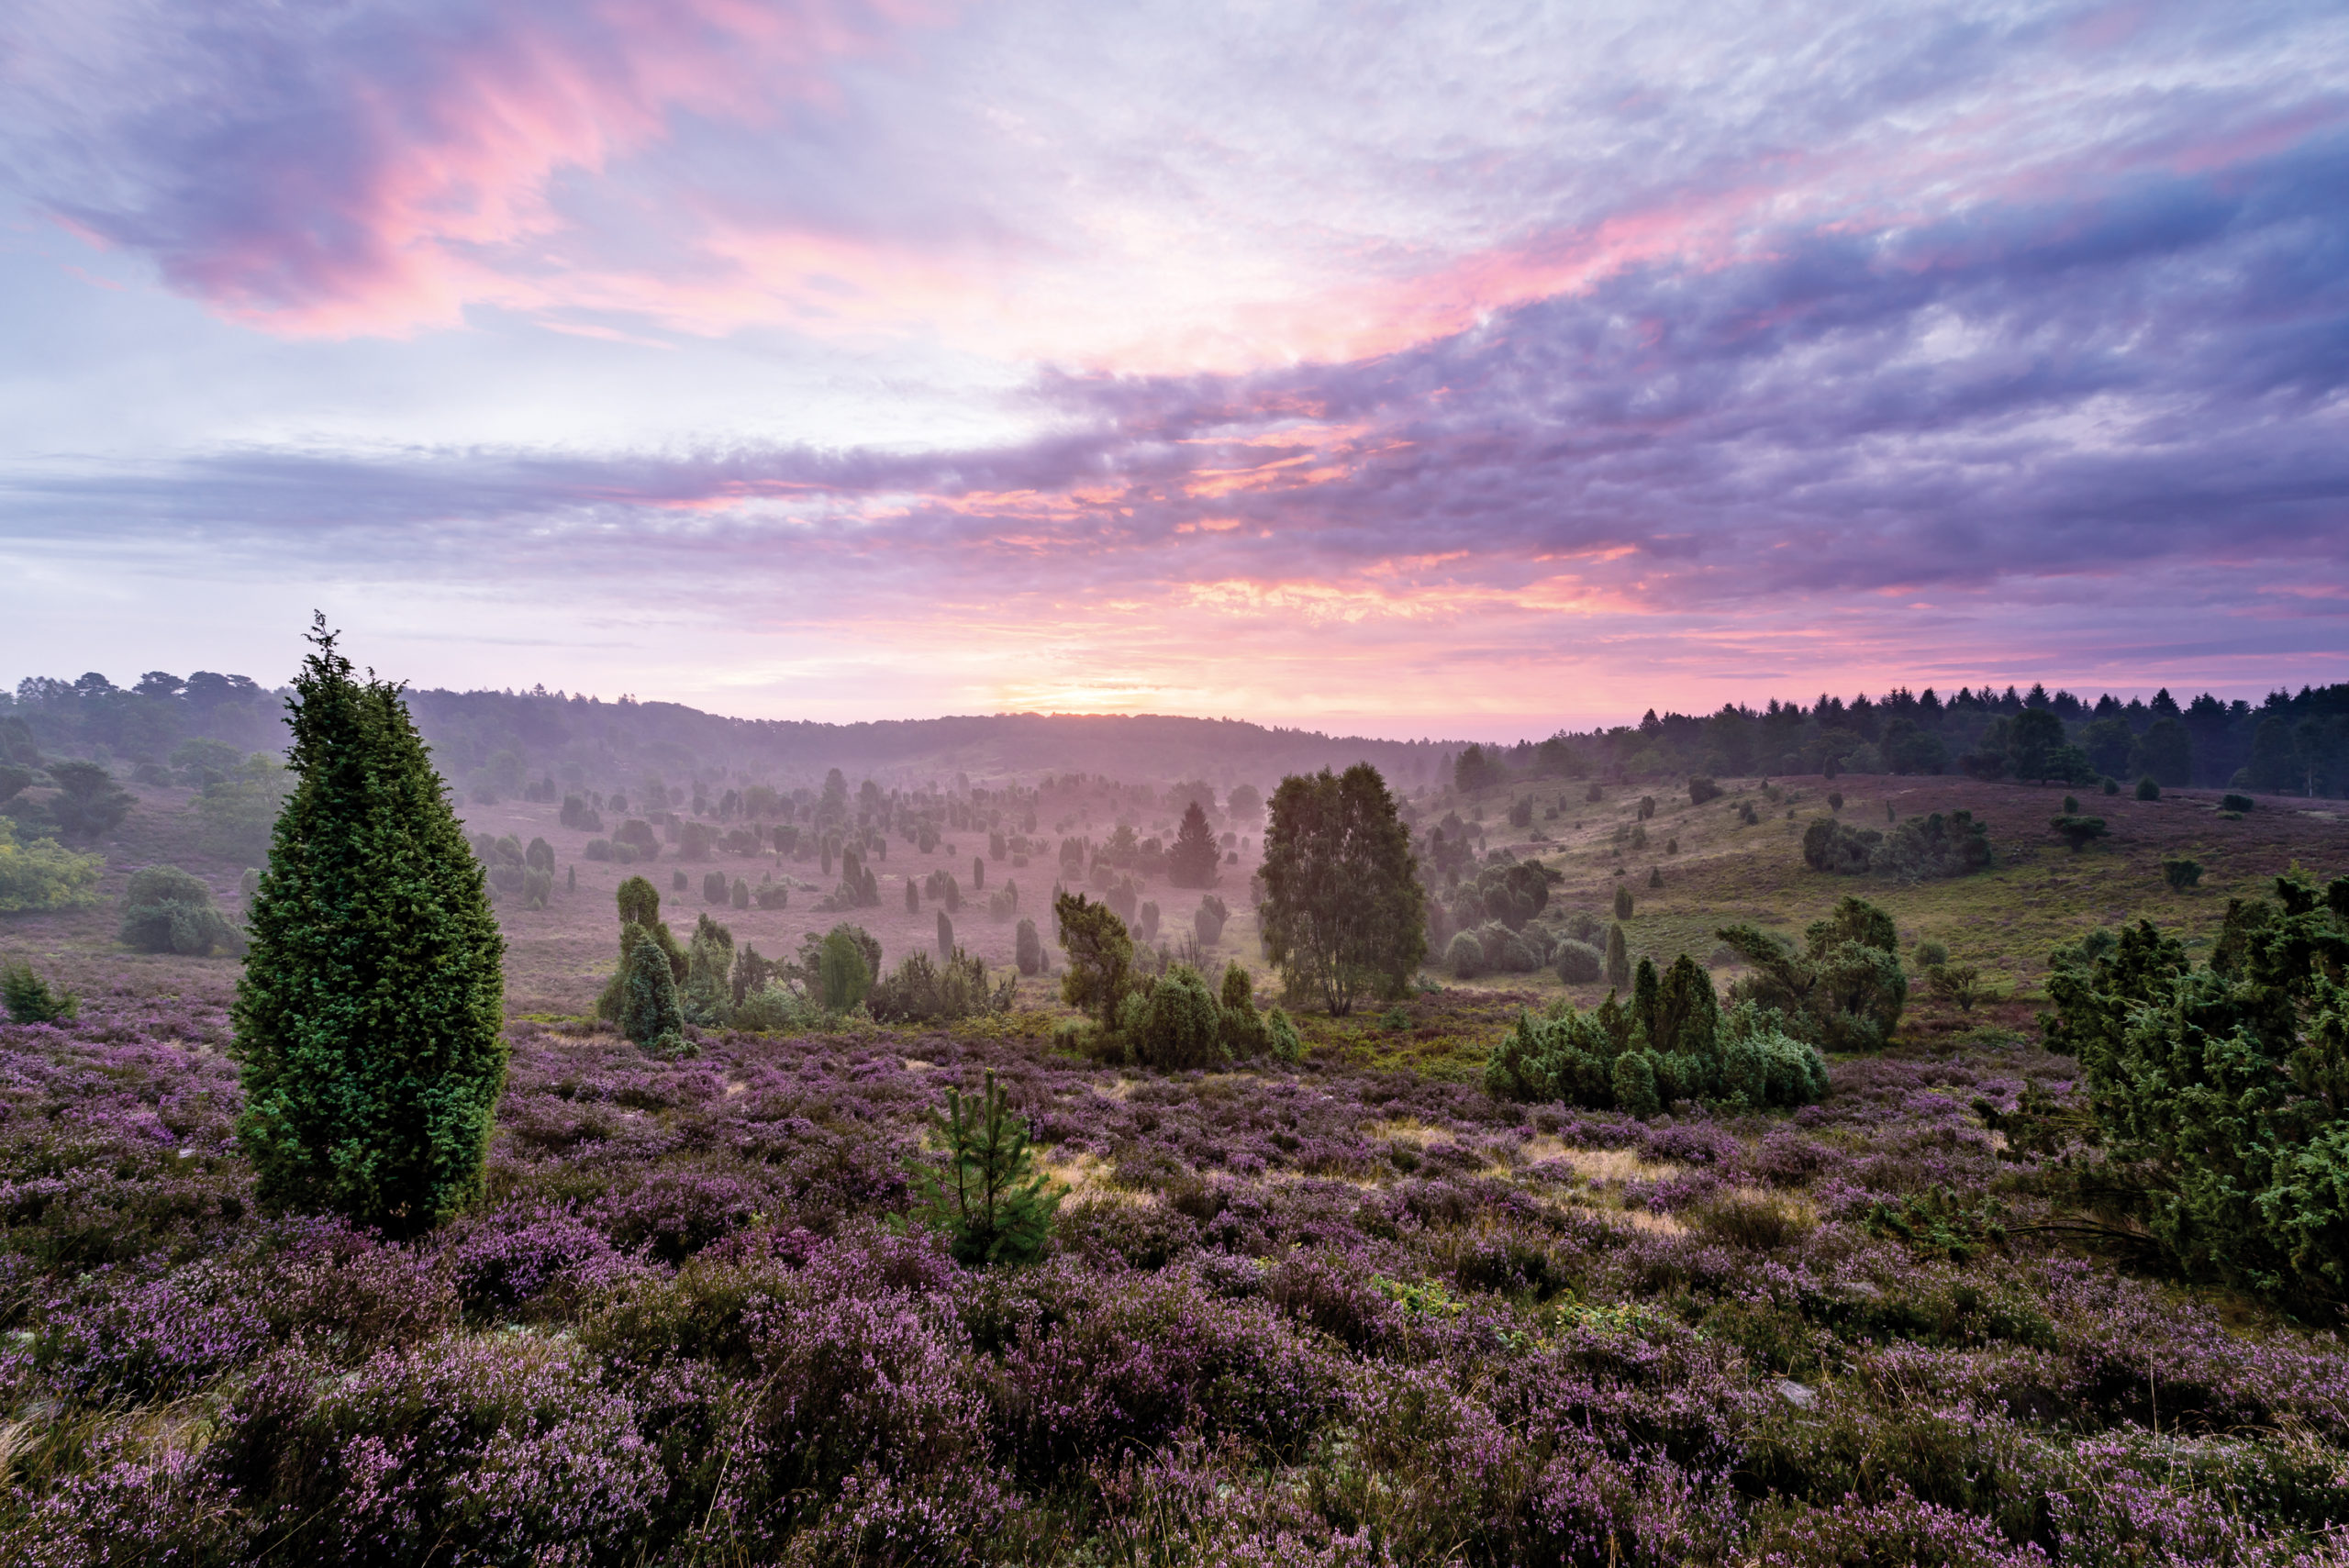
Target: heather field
x=1348 y=1310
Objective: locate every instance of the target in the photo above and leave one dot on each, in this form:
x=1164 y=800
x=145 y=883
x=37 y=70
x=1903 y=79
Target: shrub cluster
x=1845 y=990
x=1670 y=1043
x=165 y=909
x=1916 y=850
x=2219 y=1089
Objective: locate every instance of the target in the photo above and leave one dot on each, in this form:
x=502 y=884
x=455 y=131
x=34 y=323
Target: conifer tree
x=992 y=1202
x=1193 y=861
x=369 y=1013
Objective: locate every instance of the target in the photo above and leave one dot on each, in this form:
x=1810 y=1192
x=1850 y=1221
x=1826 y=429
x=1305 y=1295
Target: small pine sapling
x=29 y=999
x=992 y=1202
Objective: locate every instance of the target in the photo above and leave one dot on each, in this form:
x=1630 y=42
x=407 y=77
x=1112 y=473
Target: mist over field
x=823 y=782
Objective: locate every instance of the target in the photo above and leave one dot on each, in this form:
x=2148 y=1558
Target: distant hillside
x=496 y=741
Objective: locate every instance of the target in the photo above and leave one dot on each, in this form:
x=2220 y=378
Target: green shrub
x=1618 y=958
x=1622 y=901
x=166 y=909
x=29 y=999
x=707 y=995
x=2078 y=832
x=2218 y=1090
x=925 y=992
x=989 y=1198
x=2236 y=802
x=1464 y=957
x=1844 y=991
x=2148 y=788
x=1655 y=876
x=88 y=801
x=42 y=874
x=1958 y=983
x=1100 y=956
x=1181 y=1024
x=369 y=1019
x=1026 y=948
x=540 y=856
x=1244 y=1034
x=1579 y=963
x=649 y=1010
x=1916 y=850
x=1700 y=790
x=598 y=850
x=2109 y=785
x=2182 y=874
x=1672 y=1042
x=1281 y=1035
x=239 y=809
x=775 y=1006
x=845 y=961
x=1930 y=952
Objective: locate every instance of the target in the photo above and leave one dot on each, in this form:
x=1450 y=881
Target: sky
x=1467 y=370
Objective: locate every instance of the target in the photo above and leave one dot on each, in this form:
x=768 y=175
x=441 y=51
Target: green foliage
x=1464 y=957
x=166 y=909
x=1957 y=984
x=540 y=856
x=1244 y=1031
x=2079 y=832
x=88 y=801
x=650 y=1013
x=640 y=905
x=1672 y=1042
x=29 y=999
x=1181 y=1025
x=1100 y=956
x=368 y=1019
x=1281 y=1037
x=1028 y=947
x=707 y=995
x=1918 y=850
x=2148 y=788
x=1618 y=958
x=2165 y=753
x=1195 y=858
x=2226 y=802
x=1579 y=963
x=924 y=991
x=1700 y=790
x=1622 y=901
x=1930 y=952
x=1208 y=920
x=43 y=874
x=2222 y=1092
x=989 y=1198
x=1844 y=991
x=843 y=973
x=239 y=809
x=2182 y=874
x=1342 y=911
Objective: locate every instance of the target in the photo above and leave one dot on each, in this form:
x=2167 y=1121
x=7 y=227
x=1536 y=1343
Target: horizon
x=1532 y=731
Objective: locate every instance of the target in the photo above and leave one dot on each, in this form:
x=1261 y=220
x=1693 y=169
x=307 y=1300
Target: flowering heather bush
x=1305 y=1313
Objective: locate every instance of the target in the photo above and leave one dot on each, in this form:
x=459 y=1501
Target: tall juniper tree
x=368 y=1016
